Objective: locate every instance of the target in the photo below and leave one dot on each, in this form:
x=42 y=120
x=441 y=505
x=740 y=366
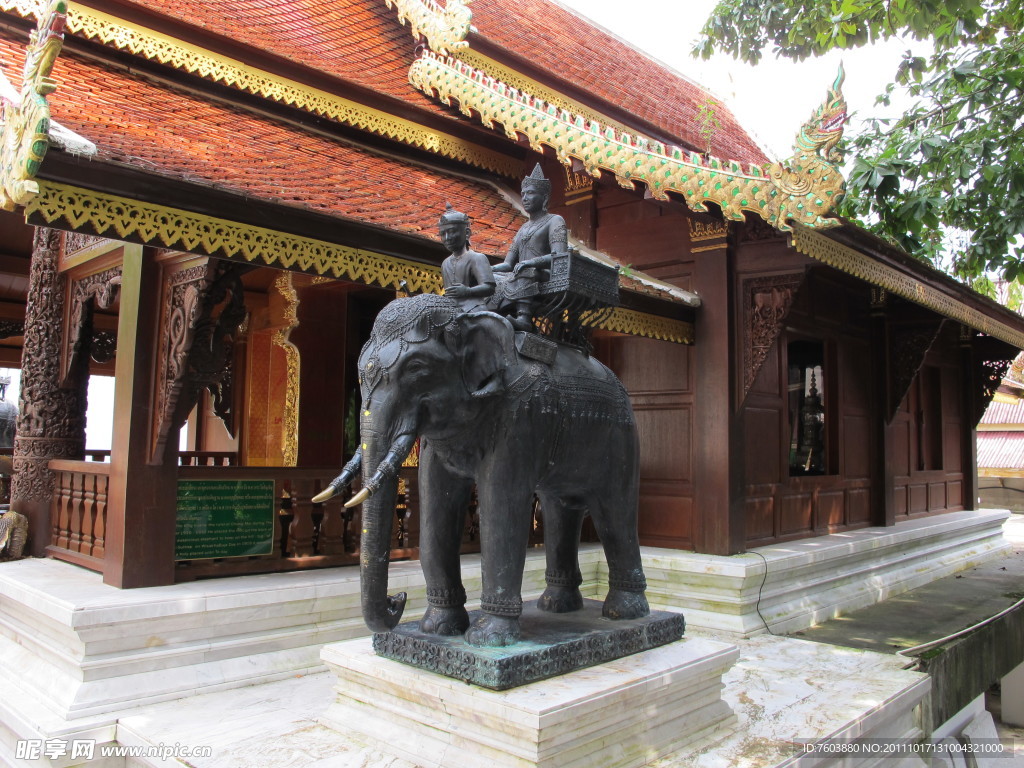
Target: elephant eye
x=414 y=368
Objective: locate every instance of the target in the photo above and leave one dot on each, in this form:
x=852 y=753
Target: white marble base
x=620 y=714
x=82 y=648
x=813 y=580
x=781 y=690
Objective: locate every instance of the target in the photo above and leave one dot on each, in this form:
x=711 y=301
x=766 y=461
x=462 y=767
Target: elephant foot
x=621 y=604
x=444 y=621
x=493 y=631
x=560 y=600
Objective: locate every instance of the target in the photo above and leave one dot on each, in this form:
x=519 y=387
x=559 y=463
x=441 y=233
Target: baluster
x=300 y=532
x=402 y=512
x=284 y=518
x=99 y=526
x=88 y=513
x=61 y=514
x=472 y=518
x=77 y=499
x=332 y=528
x=347 y=539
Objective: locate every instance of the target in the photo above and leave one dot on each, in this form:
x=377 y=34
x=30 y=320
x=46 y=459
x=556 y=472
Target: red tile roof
x=362 y=42
x=359 y=41
x=569 y=46
x=177 y=135
x=1004 y=413
x=1001 y=450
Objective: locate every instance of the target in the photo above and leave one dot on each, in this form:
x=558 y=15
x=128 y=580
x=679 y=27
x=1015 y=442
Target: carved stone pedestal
x=552 y=644
x=619 y=714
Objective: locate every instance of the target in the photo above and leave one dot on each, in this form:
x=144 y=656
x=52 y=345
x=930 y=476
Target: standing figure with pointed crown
x=542 y=236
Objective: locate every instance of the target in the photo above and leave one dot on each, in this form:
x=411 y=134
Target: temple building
x=210 y=201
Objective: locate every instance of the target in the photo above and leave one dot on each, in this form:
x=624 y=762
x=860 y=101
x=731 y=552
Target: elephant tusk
x=349 y=471
x=359 y=498
x=324 y=495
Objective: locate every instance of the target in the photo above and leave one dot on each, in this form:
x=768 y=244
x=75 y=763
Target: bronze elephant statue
x=517 y=415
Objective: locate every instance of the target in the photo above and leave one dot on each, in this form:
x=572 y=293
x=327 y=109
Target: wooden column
x=51 y=420
x=142 y=497
x=883 y=491
x=968 y=395
x=718 y=470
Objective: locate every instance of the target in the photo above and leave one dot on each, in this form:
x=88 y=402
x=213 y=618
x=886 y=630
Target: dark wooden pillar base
x=51 y=420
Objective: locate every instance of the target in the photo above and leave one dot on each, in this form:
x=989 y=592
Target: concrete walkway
x=935 y=610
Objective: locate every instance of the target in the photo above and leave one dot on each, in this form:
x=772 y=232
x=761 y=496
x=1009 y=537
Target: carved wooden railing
x=185 y=458
x=306 y=535
x=207 y=458
x=79 y=512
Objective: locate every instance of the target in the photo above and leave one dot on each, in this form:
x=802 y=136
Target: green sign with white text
x=224 y=518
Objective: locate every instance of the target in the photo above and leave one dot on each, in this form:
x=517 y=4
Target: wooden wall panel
x=900 y=457
x=955 y=494
x=664 y=443
x=929 y=455
x=918 y=498
x=902 y=500
x=763 y=431
x=658 y=377
x=858 y=506
x=795 y=514
x=856 y=444
x=830 y=509
x=649 y=366
x=760 y=518
x=665 y=520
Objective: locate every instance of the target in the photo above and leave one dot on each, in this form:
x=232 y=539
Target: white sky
x=772 y=99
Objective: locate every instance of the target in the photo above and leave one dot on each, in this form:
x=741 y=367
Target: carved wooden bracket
x=203 y=307
x=989 y=376
x=908 y=345
x=103 y=347
x=766 y=302
x=97 y=290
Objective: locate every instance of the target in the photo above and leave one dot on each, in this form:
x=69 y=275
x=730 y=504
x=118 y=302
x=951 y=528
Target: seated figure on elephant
x=530 y=257
x=467 y=275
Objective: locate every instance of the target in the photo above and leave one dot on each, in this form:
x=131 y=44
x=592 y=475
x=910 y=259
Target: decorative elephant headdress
x=482 y=342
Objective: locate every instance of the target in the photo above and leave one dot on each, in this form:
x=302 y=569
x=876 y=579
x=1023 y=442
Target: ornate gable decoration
x=802 y=190
x=26 y=115
x=445 y=29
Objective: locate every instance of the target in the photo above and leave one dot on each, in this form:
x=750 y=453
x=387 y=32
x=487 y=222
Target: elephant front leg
x=504 y=535
x=444 y=500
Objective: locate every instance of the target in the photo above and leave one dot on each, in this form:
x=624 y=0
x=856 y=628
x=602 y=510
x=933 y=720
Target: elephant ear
x=483 y=343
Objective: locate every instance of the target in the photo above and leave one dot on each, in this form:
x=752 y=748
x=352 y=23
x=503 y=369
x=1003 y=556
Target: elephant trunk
x=381 y=611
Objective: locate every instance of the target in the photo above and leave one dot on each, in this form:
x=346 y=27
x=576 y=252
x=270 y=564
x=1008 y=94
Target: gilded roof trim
x=445 y=29
x=125 y=219
x=635 y=323
x=121 y=218
x=863 y=266
x=155 y=46
x=804 y=189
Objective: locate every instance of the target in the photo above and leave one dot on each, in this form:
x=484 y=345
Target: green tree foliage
x=946 y=180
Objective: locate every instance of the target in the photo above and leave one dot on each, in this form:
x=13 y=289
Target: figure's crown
x=451 y=216
x=536 y=180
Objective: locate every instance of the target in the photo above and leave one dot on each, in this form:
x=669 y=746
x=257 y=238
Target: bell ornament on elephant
x=561 y=428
